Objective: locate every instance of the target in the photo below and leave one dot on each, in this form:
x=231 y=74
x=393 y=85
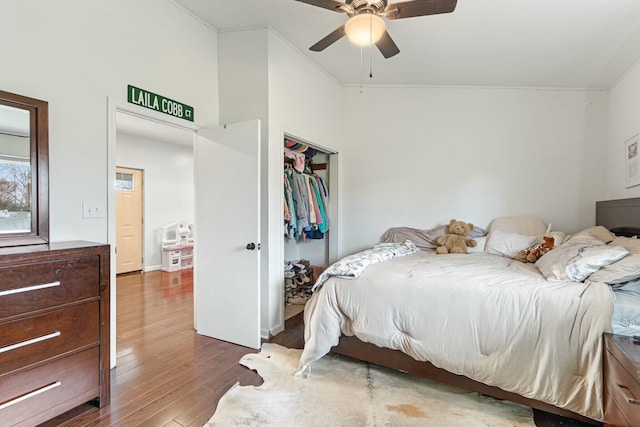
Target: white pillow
x=598 y=232
x=578 y=258
x=626 y=269
x=507 y=244
x=632 y=244
x=527 y=225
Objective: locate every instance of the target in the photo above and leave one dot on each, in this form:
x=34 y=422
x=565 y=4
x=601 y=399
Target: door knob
x=251 y=246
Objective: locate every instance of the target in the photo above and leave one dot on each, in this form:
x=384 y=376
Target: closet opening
x=307 y=219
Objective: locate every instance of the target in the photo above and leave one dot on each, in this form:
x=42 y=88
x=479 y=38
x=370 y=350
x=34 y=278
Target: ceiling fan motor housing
x=376 y=9
x=367 y=6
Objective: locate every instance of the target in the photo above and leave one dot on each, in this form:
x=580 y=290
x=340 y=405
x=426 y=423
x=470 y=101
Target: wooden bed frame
x=621 y=216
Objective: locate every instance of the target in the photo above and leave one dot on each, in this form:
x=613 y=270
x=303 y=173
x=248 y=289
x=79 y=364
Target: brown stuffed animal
x=456 y=242
x=536 y=251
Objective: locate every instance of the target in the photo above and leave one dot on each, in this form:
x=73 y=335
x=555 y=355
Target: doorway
x=129 y=207
x=162 y=148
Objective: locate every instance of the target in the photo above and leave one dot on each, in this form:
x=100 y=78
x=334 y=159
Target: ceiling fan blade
x=413 y=8
x=387 y=46
x=334 y=5
x=329 y=39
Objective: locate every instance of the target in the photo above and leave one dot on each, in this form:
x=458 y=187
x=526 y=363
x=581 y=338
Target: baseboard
x=151 y=268
x=276 y=330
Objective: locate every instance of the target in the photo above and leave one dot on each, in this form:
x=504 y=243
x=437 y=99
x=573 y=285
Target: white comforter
x=492 y=319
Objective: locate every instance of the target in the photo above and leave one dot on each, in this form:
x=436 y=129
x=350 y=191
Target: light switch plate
x=92 y=210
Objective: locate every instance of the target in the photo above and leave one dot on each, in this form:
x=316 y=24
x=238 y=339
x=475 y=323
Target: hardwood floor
x=166 y=374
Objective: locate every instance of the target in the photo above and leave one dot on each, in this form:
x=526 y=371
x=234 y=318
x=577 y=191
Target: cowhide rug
x=344 y=392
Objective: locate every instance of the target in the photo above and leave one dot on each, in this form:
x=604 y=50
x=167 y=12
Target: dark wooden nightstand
x=622 y=381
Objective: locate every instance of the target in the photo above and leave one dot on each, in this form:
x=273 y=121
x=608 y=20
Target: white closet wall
x=263 y=77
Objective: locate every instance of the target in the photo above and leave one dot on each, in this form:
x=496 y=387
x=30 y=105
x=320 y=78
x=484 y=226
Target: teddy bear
x=536 y=251
x=456 y=241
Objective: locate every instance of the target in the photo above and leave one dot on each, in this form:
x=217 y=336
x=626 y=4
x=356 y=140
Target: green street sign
x=156 y=102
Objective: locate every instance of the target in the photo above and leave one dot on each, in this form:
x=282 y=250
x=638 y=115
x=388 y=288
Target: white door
x=227 y=233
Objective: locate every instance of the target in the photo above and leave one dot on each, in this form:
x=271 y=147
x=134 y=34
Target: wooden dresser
x=622 y=381
x=54 y=330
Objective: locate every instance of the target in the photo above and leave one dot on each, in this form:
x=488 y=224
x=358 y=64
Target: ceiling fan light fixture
x=365 y=29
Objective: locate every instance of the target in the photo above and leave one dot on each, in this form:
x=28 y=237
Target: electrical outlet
x=92 y=210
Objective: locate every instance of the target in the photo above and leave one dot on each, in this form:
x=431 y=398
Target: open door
x=227 y=233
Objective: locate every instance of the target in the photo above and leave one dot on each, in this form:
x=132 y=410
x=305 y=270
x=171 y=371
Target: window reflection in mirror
x=24 y=170
x=15 y=170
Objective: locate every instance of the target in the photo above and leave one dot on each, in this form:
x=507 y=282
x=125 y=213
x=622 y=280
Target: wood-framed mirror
x=24 y=170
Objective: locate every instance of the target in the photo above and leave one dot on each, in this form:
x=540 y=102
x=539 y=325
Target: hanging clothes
x=305 y=205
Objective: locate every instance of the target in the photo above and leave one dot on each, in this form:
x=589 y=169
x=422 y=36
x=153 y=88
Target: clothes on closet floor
x=298 y=280
x=305 y=205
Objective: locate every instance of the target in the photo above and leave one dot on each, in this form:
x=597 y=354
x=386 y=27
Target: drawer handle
x=627 y=395
x=30 y=394
x=31 y=341
x=28 y=289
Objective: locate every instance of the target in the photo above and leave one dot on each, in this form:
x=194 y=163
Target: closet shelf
x=314 y=166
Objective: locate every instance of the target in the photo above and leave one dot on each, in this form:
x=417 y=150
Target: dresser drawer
x=622 y=389
x=32 y=287
x=38 y=338
x=613 y=415
x=38 y=394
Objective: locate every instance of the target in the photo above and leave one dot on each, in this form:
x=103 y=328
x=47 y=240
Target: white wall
x=168 y=187
x=243 y=78
x=305 y=102
x=420 y=156
x=75 y=54
x=262 y=76
x=624 y=118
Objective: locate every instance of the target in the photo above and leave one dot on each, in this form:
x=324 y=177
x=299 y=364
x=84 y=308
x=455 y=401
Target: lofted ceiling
x=512 y=43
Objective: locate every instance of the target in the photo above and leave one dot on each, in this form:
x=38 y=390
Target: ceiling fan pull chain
x=371 y=61
x=361 y=68
x=370 y=46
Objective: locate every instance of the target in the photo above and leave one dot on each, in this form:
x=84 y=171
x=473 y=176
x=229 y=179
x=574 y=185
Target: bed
x=484 y=322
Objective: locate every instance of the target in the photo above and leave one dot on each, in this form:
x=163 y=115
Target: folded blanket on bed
x=423 y=239
x=351 y=266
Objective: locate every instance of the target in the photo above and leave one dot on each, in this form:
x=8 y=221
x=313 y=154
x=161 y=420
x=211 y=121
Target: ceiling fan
x=365 y=25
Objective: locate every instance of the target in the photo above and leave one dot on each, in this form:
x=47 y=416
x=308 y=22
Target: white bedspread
x=490 y=318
